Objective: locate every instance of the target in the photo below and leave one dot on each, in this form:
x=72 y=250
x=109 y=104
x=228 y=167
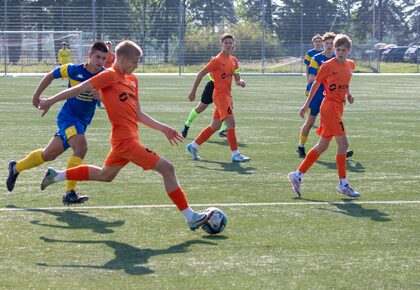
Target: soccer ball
x=217 y=222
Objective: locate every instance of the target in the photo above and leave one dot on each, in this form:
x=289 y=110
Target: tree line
x=196 y=24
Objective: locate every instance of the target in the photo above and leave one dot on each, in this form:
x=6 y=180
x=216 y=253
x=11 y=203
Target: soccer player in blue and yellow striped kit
x=72 y=120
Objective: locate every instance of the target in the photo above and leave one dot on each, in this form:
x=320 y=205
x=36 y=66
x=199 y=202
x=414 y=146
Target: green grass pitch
x=272 y=240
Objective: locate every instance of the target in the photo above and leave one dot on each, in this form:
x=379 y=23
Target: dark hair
x=99 y=45
x=342 y=39
x=226 y=35
x=328 y=35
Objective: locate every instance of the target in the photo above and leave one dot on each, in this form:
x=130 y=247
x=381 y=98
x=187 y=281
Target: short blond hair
x=342 y=40
x=128 y=48
x=316 y=36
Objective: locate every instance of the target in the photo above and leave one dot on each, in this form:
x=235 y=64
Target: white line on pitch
x=392 y=202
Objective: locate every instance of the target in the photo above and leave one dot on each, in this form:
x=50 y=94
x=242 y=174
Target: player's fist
x=303 y=110
x=241 y=83
x=191 y=96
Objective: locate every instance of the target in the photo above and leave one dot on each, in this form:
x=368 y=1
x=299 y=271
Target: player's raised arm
x=45 y=104
x=197 y=82
x=170 y=133
x=43 y=84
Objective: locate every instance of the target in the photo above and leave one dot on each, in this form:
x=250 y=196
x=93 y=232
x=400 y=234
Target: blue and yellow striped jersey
x=309 y=54
x=316 y=62
x=82 y=106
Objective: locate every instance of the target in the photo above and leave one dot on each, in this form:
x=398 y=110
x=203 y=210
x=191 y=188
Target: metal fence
x=175 y=41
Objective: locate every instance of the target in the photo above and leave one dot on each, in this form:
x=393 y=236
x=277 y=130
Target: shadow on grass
x=131 y=259
x=76 y=220
x=348 y=207
x=228 y=166
x=351 y=165
x=224 y=142
x=357 y=210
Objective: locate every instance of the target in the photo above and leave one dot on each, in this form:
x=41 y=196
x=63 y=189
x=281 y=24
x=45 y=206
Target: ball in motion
x=217 y=222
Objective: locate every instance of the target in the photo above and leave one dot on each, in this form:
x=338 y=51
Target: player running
x=119 y=91
x=72 y=121
x=206 y=100
x=222 y=67
x=335 y=74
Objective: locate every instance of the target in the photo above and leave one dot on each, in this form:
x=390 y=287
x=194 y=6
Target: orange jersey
x=110 y=59
x=119 y=93
x=222 y=69
x=336 y=78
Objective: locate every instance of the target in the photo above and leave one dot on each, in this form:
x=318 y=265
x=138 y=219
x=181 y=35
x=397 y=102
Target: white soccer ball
x=217 y=222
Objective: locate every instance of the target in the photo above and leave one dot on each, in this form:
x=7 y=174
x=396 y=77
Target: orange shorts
x=130 y=150
x=331 y=124
x=223 y=107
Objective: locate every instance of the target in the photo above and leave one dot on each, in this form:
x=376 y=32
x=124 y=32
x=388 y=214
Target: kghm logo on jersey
x=340 y=87
x=124 y=96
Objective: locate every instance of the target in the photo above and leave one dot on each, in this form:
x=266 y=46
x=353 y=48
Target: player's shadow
x=353 y=166
x=357 y=210
x=228 y=167
x=224 y=142
x=75 y=220
x=131 y=259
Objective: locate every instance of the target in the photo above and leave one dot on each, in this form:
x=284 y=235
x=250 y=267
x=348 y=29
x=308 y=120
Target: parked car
x=412 y=54
x=394 y=54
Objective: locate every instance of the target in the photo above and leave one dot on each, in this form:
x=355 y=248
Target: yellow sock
x=72 y=162
x=302 y=140
x=34 y=159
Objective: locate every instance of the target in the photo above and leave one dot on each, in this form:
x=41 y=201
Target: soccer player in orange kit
x=119 y=90
x=223 y=68
x=335 y=74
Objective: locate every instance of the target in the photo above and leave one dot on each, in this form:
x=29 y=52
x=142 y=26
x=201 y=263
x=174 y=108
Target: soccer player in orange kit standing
x=119 y=90
x=335 y=74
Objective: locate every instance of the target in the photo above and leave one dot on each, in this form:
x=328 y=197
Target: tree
x=251 y=10
x=299 y=20
x=211 y=12
x=386 y=20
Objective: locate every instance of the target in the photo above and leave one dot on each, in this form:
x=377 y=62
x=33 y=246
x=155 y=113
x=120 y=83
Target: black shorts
x=207 y=96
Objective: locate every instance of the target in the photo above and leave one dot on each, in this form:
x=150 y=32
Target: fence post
x=262 y=35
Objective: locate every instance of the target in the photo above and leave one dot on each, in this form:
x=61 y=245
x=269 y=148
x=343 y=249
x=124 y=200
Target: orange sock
x=231 y=137
x=204 y=135
x=78 y=173
x=340 y=159
x=310 y=158
x=178 y=198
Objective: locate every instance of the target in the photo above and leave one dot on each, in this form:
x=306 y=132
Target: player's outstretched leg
x=184 y=132
x=13 y=175
x=240 y=158
x=198 y=219
x=193 y=151
x=301 y=151
x=71 y=197
x=295 y=181
x=347 y=190
x=48 y=179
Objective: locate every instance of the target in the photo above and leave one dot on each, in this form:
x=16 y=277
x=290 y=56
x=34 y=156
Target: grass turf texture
x=323 y=246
